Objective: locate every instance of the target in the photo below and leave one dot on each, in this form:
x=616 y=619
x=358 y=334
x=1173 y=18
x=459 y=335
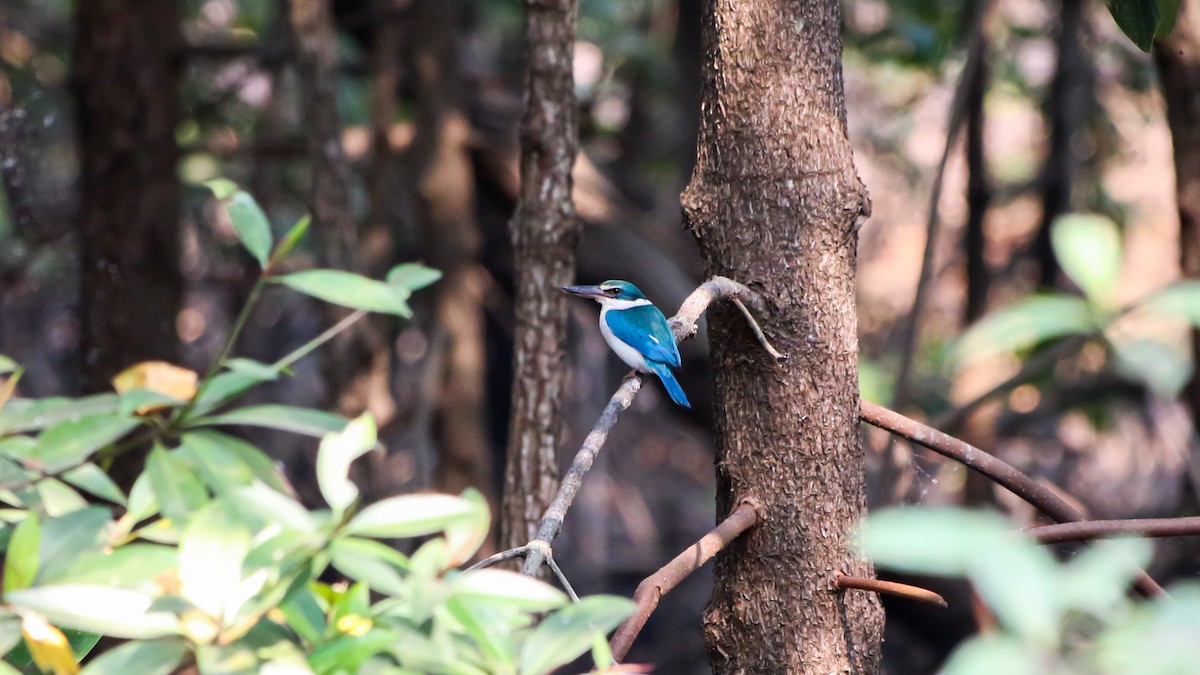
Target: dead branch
x=1099 y=529
x=843 y=582
x=683 y=325
x=1036 y=493
x=655 y=586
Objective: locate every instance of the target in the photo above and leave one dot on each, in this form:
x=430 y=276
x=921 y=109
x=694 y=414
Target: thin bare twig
x=684 y=326
x=562 y=578
x=1100 y=529
x=972 y=70
x=655 y=586
x=1036 y=493
x=843 y=582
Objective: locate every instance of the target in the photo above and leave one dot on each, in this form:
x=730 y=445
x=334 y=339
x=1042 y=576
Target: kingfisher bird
x=636 y=331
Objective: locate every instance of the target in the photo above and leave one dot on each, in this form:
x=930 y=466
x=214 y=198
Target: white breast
x=632 y=357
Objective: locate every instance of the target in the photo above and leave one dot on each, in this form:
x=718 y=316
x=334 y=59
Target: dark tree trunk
x=979 y=195
x=1070 y=98
x=358 y=363
x=126 y=73
x=544 y=232
x=775 y=201
x=1179 y=68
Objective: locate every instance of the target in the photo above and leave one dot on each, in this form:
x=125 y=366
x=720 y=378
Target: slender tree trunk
x=358 y=364
x=127 y=67
x=1070 y=98
x=775 y=200
x=1179 y=68
x=544 y=232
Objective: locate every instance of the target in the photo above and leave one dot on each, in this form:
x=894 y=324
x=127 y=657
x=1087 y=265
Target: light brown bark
x=127 y=70
x=775 y=201
x=544 y=232
x=1178 y=60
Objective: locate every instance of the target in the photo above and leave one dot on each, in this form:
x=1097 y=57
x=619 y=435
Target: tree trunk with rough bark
x=1178 y=60
x=775 y=201
x=544 y=232
x=126 y=72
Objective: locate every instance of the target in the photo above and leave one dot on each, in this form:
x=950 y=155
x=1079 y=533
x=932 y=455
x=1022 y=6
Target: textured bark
x=1178 y=60
x=127 y=69
x=358 y=363
x=544 y=231
x=775 y=200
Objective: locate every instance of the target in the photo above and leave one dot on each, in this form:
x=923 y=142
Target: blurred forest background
x=394 y=123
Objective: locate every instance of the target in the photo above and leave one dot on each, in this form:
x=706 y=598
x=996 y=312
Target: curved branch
x=655 y=586
x=1099 y=529
x=1036 y=493
x=843 y=582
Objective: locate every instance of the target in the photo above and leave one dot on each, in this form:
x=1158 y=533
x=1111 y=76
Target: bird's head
x=610 y=291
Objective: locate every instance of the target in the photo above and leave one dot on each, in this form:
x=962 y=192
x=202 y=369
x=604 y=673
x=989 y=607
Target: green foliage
x=1088 y=247
x=211 y=558
x=1063 y=618
x=1144 y=21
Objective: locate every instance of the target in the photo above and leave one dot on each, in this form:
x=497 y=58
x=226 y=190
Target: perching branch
x=684 y=326
x=1099 y=529
x=655 y=586
x=1025 y=487
x=843 y=582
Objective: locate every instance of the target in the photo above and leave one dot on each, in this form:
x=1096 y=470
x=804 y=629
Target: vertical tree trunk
x=775 y=200
x=544 y=232
x=127 y=65
x=358 y=363
x=1178 y=60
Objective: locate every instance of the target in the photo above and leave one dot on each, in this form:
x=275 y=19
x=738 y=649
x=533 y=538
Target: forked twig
x=684 y=326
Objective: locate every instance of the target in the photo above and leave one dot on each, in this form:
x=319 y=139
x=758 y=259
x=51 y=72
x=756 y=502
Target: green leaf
x=57 y=498
x=285 y=246
x=105 y=610
x=138 y=567
x=211 y=552
x=158 y=657
x=350 y=290
x=69 y=537
x=994 y=654
x=337 y=452
x=306 y=421
x=264 y=372
x=509 y=589
x=142 y=503
x=21 y=559
x=1168 y=11
x=31 y=415
x=413 y=276
x=176 y=488
x=136 y=399
x=304 y=615
x=378 y=566
x=1089 y=249
x=567 y=633
x=222 y=188
x=68 y=443
x=1025 y=324
x=1138 y=19
x=1098 y=579
x=1162 y=367
x=251 y=225
x=220 y=467
x=222 y=389
x=345 y=653
x=271 y=506
x=491 y=636
x=262 y=466
x=7 y=365
x=81 y=643
x=92 y=479
x=410 y=516
x=1179 y=300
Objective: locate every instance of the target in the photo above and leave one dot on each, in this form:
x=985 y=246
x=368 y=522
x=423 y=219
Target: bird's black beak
x=585 y=291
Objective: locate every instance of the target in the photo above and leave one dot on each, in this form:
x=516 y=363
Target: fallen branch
x=655 y=586
x=1003 y=473
x=843 y=582
x=683 y=325
x=1099 y=529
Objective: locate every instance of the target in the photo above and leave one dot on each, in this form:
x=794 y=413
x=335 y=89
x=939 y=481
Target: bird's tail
x=672 y=385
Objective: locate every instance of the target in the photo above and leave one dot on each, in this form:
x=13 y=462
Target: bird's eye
x=612 y=291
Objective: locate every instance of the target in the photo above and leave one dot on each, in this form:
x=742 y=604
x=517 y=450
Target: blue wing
x=645 y=329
